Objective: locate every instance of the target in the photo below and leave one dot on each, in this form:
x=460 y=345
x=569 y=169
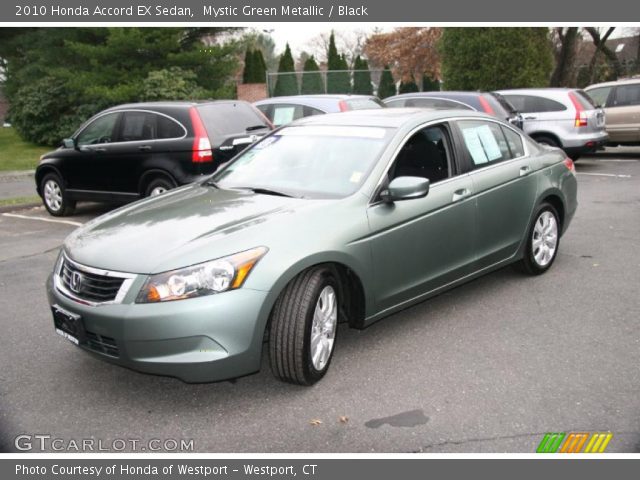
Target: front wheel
x=542 y=242
x=303 y=327
x=54 y=196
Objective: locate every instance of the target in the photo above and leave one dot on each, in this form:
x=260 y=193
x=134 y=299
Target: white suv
x=560 y=117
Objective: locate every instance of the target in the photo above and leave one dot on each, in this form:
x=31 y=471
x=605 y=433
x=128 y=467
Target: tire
x=544 y=140
x=307 y=308
x=574 y=156
x=54 y=196
x=535 y=260
x=158 y=186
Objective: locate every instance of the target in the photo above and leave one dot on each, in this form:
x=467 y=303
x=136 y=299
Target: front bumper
x=204 y=339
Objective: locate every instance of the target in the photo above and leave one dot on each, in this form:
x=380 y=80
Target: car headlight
x=227 y=273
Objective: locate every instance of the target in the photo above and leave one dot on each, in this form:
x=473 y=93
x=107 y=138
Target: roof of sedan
x=171 y=103
x=384 y=117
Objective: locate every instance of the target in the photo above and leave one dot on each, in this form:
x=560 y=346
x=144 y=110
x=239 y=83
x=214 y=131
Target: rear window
x=364 y=103
x=584 y=99
x=532 y=103
x=437 y=104
x=226 y=119
x=504 y=103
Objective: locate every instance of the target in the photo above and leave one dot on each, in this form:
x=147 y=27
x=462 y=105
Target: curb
x=18 y=207
x=13 y=175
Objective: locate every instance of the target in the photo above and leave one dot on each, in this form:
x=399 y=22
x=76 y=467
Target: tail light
x=485 y=105
x=201 y=152
x=581 y=115
x=343 y=106
x=570 y=165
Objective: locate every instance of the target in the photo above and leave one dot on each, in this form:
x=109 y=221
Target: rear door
x=504 y=185
x=623 y=114
x=541 y=114
x=231 y=127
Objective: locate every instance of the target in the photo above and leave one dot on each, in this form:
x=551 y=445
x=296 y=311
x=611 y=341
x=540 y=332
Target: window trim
x=419 y=97
x=119 y=122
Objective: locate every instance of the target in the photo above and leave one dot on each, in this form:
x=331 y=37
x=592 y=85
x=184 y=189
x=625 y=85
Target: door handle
x=144 y=148
x=526 y=170
x=99 y=150
x=530 y=118
x=460 y=194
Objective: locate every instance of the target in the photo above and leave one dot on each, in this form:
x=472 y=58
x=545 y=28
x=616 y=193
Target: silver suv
x=560 y=117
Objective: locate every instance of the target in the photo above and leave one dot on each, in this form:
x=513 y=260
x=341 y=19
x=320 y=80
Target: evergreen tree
x=387 y=87
x=361 y=77
x=259 y=67
x=491 y=58
x=408 y=87
x=311 y=78
x=287 y=82
x=249 y=63
x=338 y=78
x=430 y=84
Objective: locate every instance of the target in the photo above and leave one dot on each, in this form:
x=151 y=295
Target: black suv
x=137 y=150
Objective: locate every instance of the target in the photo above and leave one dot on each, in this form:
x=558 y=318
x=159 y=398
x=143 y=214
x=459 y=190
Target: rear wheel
x=54 y=196
x=158 y=186
x=303 y=327
x=542 y=242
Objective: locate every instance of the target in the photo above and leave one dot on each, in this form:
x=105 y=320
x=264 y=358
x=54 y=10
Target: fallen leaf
x=343 y=419
x=315 y=422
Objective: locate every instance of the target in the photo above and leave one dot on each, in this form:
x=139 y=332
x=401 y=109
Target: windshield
x=308 y=161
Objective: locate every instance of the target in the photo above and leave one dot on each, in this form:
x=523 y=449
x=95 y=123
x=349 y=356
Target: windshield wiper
x=210 y=183
x=265 y=191
x=256 y=127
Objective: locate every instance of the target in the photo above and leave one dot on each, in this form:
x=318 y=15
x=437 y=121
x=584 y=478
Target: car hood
x=183 y=227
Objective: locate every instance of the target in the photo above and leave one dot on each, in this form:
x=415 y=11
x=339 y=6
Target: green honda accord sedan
x=337 y=218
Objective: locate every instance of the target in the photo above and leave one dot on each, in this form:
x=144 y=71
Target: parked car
x=341 y=217
x=621 y=102
x=490 y=103
x=561 y=117
x=142 y=149
x=283 y=110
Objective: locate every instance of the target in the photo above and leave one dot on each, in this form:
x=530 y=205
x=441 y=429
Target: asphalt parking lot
x=488 y=367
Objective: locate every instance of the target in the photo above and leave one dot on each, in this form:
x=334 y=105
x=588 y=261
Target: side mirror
x=405 y=188
x=69 y=143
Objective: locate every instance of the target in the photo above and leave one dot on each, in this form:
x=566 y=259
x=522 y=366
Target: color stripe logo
x=574 y=442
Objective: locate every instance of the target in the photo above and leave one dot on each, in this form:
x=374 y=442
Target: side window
x=286 y=113
x=599 y=95
x=425 y=154
x=514 y=142
x=436 y=103
x=533 y=104
x=485 y=142
x=138 y=126
x=627 y=95
x=310 y=111
x=99 y=131
x=168 y=128
x=396 y=103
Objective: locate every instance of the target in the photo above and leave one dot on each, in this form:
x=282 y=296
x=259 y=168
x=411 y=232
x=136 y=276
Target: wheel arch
x=42 y=171
x=149 y=175
x=544 y=133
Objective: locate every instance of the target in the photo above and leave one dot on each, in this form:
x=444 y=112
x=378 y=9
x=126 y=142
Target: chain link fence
x=319 y=82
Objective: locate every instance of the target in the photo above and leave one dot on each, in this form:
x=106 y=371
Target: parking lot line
x=51 y=220
x=604 y=175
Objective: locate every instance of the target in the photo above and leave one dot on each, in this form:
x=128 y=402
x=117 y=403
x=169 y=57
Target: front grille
x=101 y=344
x=89 y=286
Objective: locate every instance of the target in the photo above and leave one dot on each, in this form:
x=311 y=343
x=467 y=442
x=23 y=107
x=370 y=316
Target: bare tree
x=566 y=43
x=600 y=42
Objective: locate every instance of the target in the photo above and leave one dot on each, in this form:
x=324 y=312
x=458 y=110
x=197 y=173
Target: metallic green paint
x=401 y=252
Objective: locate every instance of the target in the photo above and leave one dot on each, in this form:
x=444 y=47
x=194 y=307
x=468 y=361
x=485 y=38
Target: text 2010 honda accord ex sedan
x=346 y=217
